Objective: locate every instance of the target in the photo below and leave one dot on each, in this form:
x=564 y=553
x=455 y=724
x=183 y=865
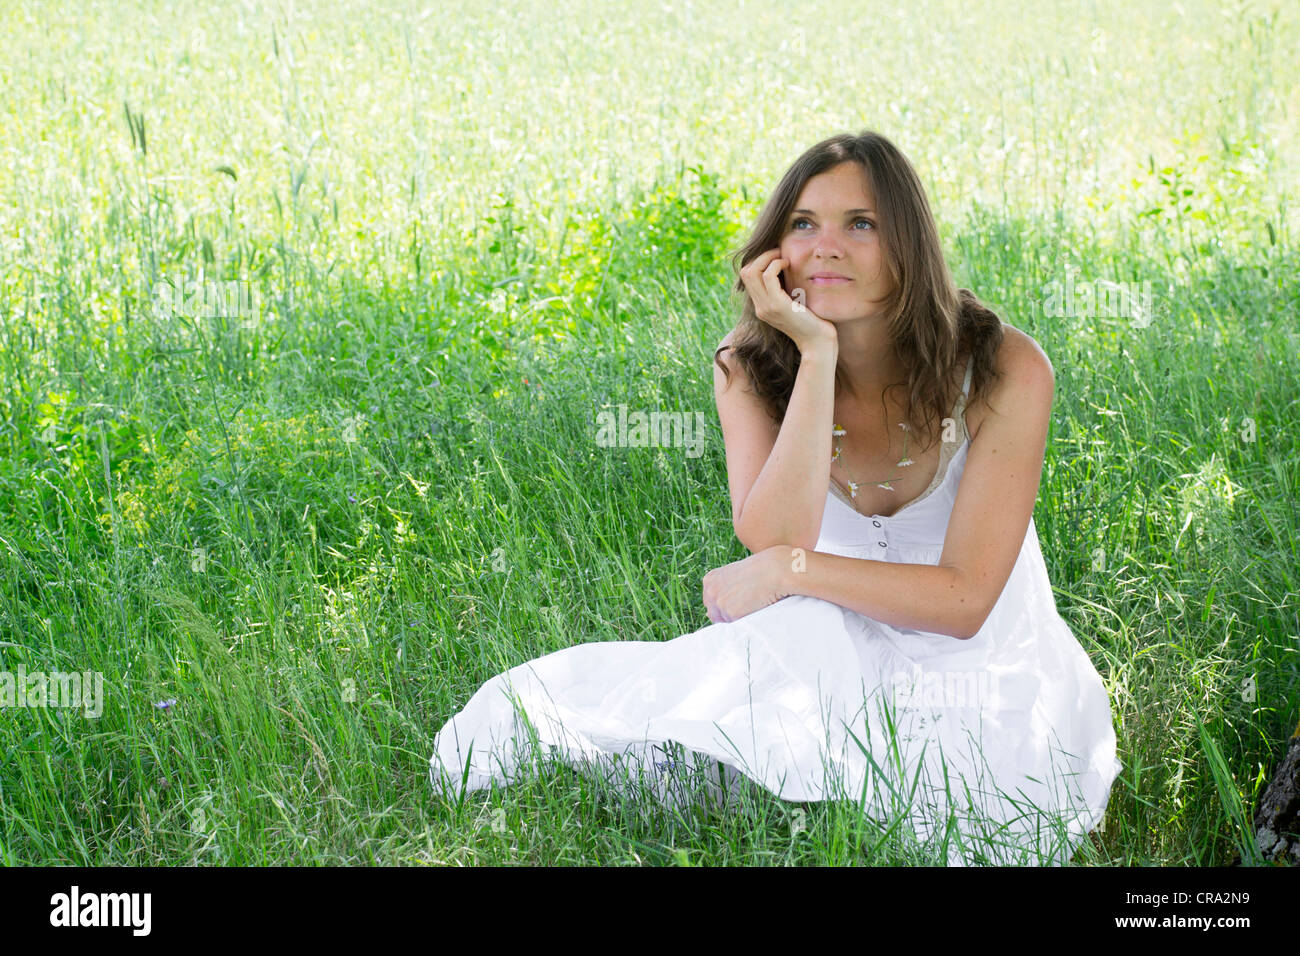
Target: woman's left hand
x=745 y=586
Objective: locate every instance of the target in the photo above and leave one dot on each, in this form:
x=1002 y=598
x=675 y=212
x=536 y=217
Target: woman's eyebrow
x=847 y=212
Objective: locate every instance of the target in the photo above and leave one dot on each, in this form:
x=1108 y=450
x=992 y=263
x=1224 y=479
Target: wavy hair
x=933 y=325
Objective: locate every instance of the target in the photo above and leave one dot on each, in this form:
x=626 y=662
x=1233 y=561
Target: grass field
x=295 y=536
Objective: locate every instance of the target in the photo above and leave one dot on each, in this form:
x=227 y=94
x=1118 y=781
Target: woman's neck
x=867 y=360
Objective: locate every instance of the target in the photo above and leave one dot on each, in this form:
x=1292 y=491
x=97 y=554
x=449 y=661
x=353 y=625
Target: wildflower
x=166 y=704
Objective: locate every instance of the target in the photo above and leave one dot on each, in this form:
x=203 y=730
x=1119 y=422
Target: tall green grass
x=319 y=528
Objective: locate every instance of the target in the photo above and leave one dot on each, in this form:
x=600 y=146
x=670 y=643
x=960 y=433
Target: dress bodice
x=920 y=525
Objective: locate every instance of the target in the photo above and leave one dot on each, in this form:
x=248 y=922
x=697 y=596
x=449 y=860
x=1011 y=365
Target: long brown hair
x=933 y=325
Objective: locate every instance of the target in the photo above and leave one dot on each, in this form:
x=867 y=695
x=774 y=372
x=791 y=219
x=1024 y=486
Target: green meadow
x=307 y=313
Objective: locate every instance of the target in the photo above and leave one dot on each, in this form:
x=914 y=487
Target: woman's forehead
x=844 y=187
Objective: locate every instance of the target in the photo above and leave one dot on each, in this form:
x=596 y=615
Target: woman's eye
x=795 y=225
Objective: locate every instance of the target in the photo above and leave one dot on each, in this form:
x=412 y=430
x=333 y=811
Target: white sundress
x=1000 y=746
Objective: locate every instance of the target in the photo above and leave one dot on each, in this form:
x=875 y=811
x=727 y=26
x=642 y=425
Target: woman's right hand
x=762 y=279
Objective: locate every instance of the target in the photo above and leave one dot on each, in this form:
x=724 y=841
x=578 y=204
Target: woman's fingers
x=767 y=282
x=775 y=306
x=772 y=279
x=754 y=275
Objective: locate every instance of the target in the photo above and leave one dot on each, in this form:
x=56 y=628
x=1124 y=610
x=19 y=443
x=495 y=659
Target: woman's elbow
x=967 y=609
x=973 y=623
x=762 y=539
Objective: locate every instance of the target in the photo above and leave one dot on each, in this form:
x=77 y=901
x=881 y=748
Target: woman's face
x=833 y=230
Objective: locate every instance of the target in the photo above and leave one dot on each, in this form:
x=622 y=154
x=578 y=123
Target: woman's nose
x=827 y=246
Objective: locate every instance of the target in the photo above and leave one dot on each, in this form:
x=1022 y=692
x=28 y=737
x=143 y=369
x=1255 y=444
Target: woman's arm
x=785 y=501
x=990 y=517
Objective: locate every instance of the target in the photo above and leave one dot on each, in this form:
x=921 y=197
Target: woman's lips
x=827 y=280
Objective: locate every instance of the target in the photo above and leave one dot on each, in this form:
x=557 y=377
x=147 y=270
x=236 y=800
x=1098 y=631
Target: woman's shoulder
x=724 y=356
x=727 y=341
x=1024 y=373
x=1019 y=354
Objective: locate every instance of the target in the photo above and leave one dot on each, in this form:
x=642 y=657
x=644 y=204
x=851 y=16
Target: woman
x=892 y=639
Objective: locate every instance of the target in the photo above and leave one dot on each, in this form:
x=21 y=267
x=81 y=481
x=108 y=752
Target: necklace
x=837 y=431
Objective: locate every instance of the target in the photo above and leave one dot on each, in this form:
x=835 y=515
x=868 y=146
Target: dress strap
x=965 y=386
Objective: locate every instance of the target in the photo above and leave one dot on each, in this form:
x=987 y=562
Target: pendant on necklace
x=853 y=485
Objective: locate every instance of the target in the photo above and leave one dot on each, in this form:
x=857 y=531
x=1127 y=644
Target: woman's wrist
x=822 y=345
x=783 y=558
